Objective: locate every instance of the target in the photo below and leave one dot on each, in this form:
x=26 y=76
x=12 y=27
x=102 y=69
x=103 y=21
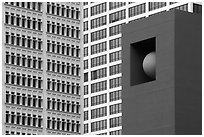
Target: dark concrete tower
x=162 y=77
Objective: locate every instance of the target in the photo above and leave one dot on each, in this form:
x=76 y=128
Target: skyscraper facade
x=41 y=45
x=102 y=58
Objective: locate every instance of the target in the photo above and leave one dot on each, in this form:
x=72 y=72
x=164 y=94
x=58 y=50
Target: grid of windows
x=98 y=125
x=63 y=105
x=156 y=5
x=63 y=124
x=115 y=122
x=97 y=61
x=63 y=10
x=24 y=119
x=63 y=67
x=114 y=5
x=116 y=108
x=23 y=99
x=24 y=41
x=97 y=48
x=99 y=99
x=23 y=21
x=97 y=22
x=100 y=73
x=115 y=69
x=100 y=8
x=63 y=48
x=99 y=112
x=136 y=10
x=115 y=82
x=116 y=132
x=24 y=60
x=63 y=86
x=114 y=43
x=115 y=95
x=182 y=7
x=19 y=133
x=115 y=56
x=63 y=29
x=115 y=29
x=97 y=35
x=21 y=79
x=99 y=86
x=116 y=16
x=37 y=6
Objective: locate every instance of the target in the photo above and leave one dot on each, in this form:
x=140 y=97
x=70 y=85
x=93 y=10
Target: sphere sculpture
x=149 y=65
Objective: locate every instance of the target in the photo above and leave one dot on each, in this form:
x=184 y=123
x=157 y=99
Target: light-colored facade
x=102 y=58
x=42 y=53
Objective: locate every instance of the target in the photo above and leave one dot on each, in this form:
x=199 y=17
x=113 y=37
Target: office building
x=162 y=92
x=42 y=61
x=102 y=25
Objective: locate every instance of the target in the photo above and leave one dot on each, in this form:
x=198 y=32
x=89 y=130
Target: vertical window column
x=73 y=69
x=68 y=31
x=68 y=87
x=13 y=118
x=39 y=63
x=8 y=39
x=53 y=27
x=48 y=26
x=29 y=41
x=58 y=28
x=7 y=57
x=68 y=50
x=68 y=69
x=63 y=30
x=63 y=67
x=73 y=51
x=23 y=22
x=68 y=106
x=18 y=20
x=68 y=125
x=58 y=85
x=7 y=18
x=34 y=82
x=13 y=39
x=18 y=79
x=39 y=83
x=12 y=19
x=34 y=23
x=73 y=88
x=53 y=85
x=18 y=40
x=63 y=87
x=13 y=78
x=39 y=24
